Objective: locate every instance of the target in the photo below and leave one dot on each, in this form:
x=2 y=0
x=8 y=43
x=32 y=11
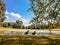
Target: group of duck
x=33 y=33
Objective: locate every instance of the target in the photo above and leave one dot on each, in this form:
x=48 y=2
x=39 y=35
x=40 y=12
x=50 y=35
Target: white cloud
x=6 y=12
x=7 y=17
x=16 y=15
x=25 y=22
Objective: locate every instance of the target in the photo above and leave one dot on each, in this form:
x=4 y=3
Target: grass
x=29 y=40
x=24 y=30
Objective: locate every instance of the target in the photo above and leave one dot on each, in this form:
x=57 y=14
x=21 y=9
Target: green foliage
x=15 y=26
x=19 y=24
x=8 y=24
x=5 y=24
x=46 y=11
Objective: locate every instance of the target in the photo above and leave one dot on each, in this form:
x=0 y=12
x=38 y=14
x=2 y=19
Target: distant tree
x=5 y=24
x=15 y=25
x=33 y=21
x=10 y=24
x=19 y=23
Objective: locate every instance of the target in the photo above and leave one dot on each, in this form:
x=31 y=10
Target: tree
x=5 y=24
x=19 y=23
x=15 y=25
x=37 y=7
x=35 y=22
x=46 y=10
x=10 y=24
x=2 y=11
x=53 y=12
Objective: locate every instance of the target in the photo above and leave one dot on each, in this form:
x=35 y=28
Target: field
x=29 y=40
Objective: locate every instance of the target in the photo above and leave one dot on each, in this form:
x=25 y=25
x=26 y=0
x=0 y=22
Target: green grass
x=29 y=40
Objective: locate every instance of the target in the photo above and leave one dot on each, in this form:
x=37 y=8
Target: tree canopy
x=47 y=11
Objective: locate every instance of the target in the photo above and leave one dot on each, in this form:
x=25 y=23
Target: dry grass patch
x=29 y=40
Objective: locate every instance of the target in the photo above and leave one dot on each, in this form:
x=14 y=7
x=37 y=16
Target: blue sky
x=18 y=10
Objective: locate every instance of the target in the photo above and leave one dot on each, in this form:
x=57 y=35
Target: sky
x=18 y=10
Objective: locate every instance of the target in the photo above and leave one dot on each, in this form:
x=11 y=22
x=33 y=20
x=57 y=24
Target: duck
x=34 y=33
x=27 y=32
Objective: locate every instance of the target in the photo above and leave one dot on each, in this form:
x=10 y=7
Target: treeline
x=17 y=24
x=45 y=26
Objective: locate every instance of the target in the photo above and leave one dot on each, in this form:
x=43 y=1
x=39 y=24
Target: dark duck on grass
x=27 y=32
x=34 y=33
